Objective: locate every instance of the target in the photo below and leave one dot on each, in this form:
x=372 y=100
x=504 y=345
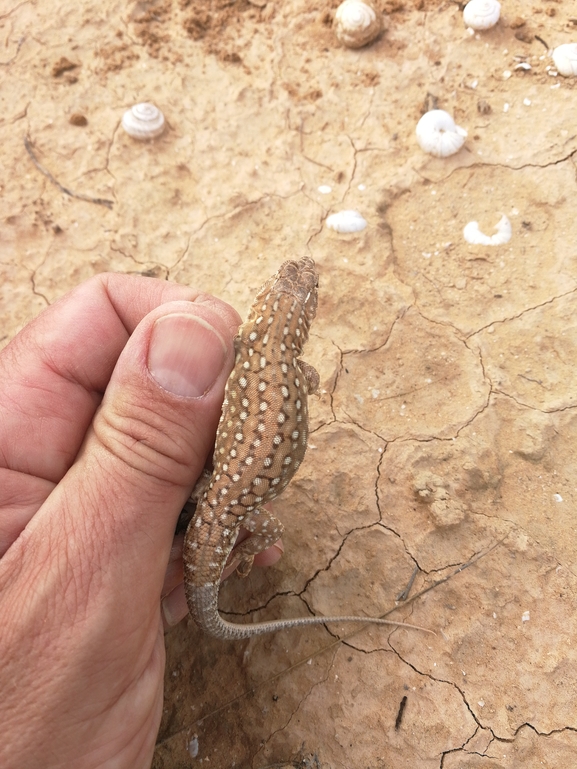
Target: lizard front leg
x=311 y=376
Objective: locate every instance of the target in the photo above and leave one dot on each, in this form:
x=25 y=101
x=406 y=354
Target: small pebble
x=77 y=119
x=63 y=65
x=193 y=747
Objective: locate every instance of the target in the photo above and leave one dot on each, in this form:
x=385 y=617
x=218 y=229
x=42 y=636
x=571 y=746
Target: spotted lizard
x=261 y=441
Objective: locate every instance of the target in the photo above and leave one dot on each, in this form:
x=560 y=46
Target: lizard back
x=263 y=430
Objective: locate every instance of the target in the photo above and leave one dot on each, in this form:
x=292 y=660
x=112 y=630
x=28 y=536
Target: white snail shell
x=565 y=59
x=473 y=234
x=346 y=221
x=143 y=121
x=356 y=23
x=438 y=135
x=482 y=14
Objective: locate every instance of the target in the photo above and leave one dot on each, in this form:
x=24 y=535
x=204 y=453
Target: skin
x=109 y=402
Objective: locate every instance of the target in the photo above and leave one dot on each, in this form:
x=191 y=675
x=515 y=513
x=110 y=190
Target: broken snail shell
x=143 y=121
x=357 y=23
x=565 y=59
x=438 y=135
x=481 y=14
x=473 y=234
x=346 y=221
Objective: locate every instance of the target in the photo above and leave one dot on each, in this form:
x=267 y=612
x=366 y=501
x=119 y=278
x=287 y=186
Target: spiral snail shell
x=143 y=121
x=481 y=14
x=565 y=59
x=438 y=135
x=357 y=23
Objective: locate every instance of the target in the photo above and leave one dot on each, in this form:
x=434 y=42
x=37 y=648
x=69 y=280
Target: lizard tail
x=203 y=604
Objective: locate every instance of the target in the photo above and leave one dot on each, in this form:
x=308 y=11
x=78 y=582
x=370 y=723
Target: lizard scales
x=261 y=441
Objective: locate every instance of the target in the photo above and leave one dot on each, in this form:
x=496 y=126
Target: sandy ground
x=447 y=422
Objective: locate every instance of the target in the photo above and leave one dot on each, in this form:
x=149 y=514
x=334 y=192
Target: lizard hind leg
x=265 y=529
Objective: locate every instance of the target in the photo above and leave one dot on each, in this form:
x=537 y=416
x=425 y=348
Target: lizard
x=260 y=443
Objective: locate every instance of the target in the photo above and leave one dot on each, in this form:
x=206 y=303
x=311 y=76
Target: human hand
x=109 y=403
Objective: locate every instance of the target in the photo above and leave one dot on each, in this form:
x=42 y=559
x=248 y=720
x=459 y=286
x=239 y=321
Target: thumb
x=160 y=410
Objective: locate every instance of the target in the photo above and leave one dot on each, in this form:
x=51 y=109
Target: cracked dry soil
x=447 y=422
